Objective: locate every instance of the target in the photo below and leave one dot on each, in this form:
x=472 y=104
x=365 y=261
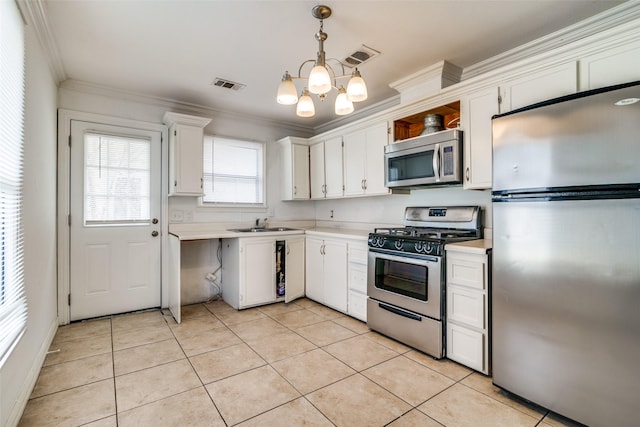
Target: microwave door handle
x=436 y=162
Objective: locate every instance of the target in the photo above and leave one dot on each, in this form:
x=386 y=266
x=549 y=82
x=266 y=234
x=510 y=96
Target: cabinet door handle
x=365 y=184
x=288 y=249
x=295 y=190
x=467 y=174
x=201 y=183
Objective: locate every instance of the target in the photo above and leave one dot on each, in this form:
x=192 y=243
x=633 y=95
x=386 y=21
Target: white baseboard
x=30 y=381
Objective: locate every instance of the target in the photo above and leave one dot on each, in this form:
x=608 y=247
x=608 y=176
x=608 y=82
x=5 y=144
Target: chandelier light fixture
x=322 y=79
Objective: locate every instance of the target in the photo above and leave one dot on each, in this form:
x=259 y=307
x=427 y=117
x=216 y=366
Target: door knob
x=154 y=233
x=154 y=220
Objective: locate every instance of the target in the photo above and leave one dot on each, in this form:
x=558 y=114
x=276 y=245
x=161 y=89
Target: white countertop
x=481 y=246
x=221 y=231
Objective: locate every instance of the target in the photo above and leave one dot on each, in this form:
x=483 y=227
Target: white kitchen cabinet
x=294 y=268
x=249 y=270
x=468 y=306
x=295 y=168
x=364 y=161
x=540 y=86
x=186 y=135
x=612 y=66
x=326 y=169
x=476 y=110
x=357 y=279
x=326 y=272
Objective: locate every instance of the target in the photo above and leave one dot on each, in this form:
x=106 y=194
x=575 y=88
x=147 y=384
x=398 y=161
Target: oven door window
x=402 y=278
x=411 y=166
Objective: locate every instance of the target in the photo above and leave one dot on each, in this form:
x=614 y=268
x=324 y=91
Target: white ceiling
x=175 y=48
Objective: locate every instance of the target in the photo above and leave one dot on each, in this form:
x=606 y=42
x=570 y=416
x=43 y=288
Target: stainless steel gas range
x=406 y=274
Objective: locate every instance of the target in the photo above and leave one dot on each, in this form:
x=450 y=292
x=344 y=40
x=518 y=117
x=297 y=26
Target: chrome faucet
x=264 y=223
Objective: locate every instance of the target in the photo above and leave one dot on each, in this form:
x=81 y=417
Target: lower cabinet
x=326 y=272
x=254 y=267
x=468 y=329
x=357 y=280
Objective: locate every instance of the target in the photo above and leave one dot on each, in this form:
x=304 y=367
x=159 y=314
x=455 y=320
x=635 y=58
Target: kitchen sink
x=260 y=229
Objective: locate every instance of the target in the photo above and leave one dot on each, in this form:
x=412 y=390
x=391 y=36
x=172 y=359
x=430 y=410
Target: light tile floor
x=277 y=365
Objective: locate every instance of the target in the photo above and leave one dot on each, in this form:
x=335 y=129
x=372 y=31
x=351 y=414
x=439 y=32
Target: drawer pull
x=399 y=312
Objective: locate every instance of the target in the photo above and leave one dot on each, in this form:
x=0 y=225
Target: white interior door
x=115 y=205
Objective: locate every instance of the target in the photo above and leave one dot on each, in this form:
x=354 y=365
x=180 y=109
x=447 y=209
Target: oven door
x=411 y=282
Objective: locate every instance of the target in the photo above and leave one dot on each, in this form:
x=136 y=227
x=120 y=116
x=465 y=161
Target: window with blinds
x=233 y=172
x=13 y=303
x=117 y=179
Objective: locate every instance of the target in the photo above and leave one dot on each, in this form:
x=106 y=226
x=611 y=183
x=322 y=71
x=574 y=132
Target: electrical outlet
x=270 y=213
x=188 y=216
x=177 y=215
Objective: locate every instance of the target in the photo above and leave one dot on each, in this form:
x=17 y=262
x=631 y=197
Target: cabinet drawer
x=466 y=306
x=358 y=305
x=466 y=272
x=466 y=346
x=358 y=278
x=358 y=253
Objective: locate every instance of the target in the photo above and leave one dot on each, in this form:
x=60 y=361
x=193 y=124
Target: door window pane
x=117 y=174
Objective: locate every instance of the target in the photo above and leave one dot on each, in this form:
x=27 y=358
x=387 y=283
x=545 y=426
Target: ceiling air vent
x=360 y=56
x=227 y=84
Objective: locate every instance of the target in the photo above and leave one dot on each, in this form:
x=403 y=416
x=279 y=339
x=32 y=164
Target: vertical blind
x=13 y=304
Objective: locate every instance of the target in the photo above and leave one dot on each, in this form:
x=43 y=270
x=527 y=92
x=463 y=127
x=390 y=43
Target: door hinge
x=499 y=99
x=69 y=299
x=342 y=143
x=69 y=140
x=388 y=130
x=175 y=132
x=69 y=220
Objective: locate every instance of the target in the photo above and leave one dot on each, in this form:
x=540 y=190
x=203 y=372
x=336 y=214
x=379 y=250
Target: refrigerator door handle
x=436 y=162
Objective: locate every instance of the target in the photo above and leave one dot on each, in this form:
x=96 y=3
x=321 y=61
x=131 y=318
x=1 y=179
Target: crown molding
x=611 y=18
x=36 y=17
x=178 y=106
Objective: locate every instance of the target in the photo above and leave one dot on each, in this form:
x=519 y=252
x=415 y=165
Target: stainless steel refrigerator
x=566 y=255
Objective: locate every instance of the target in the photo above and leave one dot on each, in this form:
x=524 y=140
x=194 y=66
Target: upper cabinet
x=186 y=135
x=612 y=66
x=539 y=86
x=295 y=168
x=476 y=110
x=326 y=169
x=364 y=161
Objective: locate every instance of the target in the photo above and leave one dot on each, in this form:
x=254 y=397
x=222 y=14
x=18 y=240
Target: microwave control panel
x=447 y=161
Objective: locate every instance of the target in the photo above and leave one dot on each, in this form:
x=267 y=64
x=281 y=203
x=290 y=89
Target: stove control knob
x=418 y=247
x=398 y=245
x=428 y=247
x=381 y=241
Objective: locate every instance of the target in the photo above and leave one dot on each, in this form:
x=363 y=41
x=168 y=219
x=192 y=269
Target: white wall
x=389 y=210
x=19 y=373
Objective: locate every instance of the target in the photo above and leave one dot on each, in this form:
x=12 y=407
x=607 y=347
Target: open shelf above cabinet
x=411 y=126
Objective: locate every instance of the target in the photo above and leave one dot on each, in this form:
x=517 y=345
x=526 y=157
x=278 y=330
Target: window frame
x=238 y=206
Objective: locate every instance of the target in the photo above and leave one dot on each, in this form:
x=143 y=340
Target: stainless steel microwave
x=432 y=159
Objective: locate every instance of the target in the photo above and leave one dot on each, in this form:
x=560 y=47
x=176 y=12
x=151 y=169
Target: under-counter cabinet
x=468 y=304
x=357 y=280
x=295 y=168
x=364 y=161
x=186 y=135
x=249 y=270
x=325 y=164
x=326 y=272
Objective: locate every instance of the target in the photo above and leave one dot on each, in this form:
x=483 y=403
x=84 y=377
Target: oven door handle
x=399 y=312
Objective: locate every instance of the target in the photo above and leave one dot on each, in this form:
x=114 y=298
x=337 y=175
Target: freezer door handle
x=400 y=312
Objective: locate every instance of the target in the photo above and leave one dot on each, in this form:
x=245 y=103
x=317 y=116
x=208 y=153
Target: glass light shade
x=319 y=80
x=305 y=106
x=357 y=89
x=287 y=92
x=343 y=104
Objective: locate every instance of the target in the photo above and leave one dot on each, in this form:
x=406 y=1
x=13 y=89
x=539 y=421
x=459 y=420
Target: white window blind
x=13 y=303
x=117 y=175
x=233 y=171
